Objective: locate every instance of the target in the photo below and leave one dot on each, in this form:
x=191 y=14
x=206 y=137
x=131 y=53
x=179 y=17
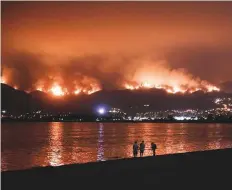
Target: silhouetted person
x=142 y=148
x=153 y=147
x=135 y=149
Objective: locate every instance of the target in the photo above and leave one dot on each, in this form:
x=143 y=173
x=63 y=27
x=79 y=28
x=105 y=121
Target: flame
x=3 y=80
x=77 y=91
x=61 y=87
x=171 y=89
x=211 y=88
x=146 y=85
x=131 y=87
x=172 y=81
x=159 y=75
x=95 y=89
x=57 y=90
x=176 y=89
x=40 y=89
x=90 y=90
x=15 y=87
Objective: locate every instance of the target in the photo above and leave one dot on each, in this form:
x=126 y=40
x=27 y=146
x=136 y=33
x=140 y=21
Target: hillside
x=17 y=101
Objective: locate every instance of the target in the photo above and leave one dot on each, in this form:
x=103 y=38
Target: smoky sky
x=103 y=40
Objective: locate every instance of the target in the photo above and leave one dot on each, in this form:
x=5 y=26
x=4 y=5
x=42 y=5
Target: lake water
x=26 y=145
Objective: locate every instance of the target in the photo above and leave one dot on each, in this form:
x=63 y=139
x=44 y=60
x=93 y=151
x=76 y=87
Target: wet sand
x=196 y=170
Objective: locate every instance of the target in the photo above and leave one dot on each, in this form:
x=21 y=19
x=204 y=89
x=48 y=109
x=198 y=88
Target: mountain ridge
x=16 y=101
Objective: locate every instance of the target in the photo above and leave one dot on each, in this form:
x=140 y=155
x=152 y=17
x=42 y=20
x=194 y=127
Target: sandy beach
x=194 y=170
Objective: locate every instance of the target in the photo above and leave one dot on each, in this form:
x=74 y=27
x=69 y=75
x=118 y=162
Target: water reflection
x=181 y=142
x=131 y=138
x=146 y=134
x=174 y=140
x=100 y=150
x=26 y=145
x=214 y=144
x=168 y=146
x=55 y=144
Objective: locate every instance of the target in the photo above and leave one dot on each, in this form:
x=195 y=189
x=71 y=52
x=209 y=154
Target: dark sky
x=109 y=41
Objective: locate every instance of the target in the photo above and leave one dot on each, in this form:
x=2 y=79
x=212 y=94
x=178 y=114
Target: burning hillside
x=140 y=74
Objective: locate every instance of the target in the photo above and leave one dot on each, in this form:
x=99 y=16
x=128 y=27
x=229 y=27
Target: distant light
x=181 y=118
x=101 y=111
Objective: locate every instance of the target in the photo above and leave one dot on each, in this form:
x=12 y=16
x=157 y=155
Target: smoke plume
x=92 y=73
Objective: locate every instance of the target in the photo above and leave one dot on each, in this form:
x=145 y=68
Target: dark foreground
x=198 y=170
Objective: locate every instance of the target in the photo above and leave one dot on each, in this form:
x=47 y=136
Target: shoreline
x=199 y=168
x=92 y=121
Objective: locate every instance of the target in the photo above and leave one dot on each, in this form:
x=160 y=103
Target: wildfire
x=56 y=90
x=15 y=87
x=159 y=75
x=172 y=89
x=146 y=85
x=59 y=90
x=176 y=89
x=143 y=74
x=57 y=86
x=77 y=91
x=39 y=89
x=131 y=87
x=212 y=88
x=85 y=91
x=3 y=80
x=95 y=89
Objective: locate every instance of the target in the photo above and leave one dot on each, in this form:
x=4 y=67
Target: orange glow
x=60 y=87
x=107 y=45
x=92 y=86
x=176 y=89
x=131 y=87
x=146 y=85
x=211 y=88
x=93 y=90
x=39 y=89
x=57 y=90
x=55 y=155
x=159 y=74
x=3 y=80
x=90 y=90
x=172 y=89
x=77 y=91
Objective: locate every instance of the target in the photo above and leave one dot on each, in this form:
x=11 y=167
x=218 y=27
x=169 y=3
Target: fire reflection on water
x=43 y=144
x=168 y=146
x=100 y=150
x=171 y=143
x=146 y=133
x=55 y=144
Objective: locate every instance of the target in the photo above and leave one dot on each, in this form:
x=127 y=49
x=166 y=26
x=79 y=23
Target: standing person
x=142 y=148
x=153 y=148
x=135 y=149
